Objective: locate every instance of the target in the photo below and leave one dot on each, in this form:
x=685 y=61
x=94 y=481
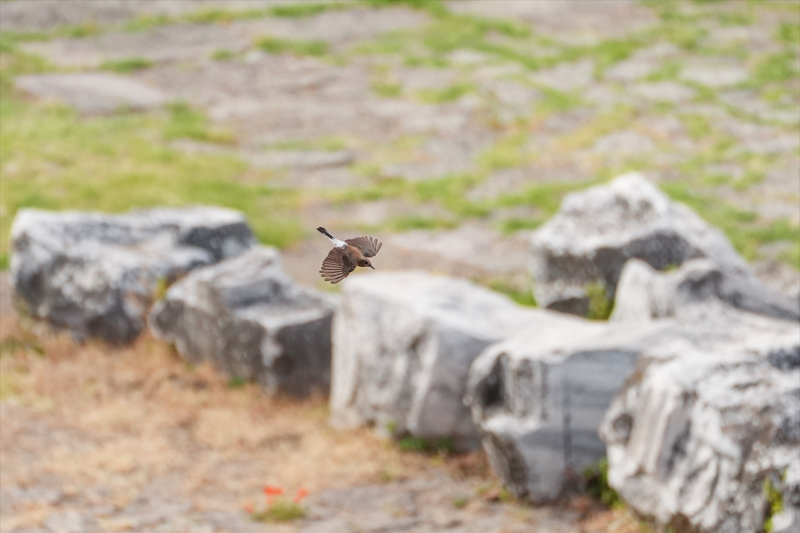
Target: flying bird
x=347 y=255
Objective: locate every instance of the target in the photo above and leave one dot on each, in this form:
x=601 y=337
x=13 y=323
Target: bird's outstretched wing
x=369 y=246
x=337 y=266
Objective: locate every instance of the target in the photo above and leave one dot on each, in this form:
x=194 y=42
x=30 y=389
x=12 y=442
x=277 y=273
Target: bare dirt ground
x=133 y=439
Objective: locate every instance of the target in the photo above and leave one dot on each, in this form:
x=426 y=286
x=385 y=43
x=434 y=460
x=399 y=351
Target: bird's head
x=365 y=263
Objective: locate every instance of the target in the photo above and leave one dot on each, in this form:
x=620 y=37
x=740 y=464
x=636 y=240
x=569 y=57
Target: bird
x=347 y=255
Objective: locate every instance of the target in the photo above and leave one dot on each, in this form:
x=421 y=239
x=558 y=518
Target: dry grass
x=125 y=419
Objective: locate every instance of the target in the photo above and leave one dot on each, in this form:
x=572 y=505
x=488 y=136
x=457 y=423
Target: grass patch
x=115 y=163
x=508 y=152
x=554 y=101
x=775 y=68
x=24 y=342
x=683 y=35
x=600 y=305
x=596 y=479
x=449 y=94
x=459 y=502
x=411 y=222
x=306 y=9
x=425 y=61
x=223 y=16
x=274 y=45
x=791 y=256
x=450 y=193
x=515 y=224
x=236 y=382
x=789 y=33
x=281 y=510
x=387 y=89
x=774 y=501
x=544 y=196
x=697 y=126
x=328 y=144
x=188 y=123
x=522 y=297
x=126 y=65
x=221 y=54
x=742 y=227
x=146 y=22
x=668 y=71
x=607 y=53
x=419 y=444
x=599 y=126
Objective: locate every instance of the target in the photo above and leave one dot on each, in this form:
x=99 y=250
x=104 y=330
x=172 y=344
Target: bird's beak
x=372 y=267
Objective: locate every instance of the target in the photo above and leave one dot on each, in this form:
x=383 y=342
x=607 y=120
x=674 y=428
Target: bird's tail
x=325 y=232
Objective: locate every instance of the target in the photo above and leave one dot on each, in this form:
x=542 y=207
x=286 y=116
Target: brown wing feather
x=336 y=266
x=369 y=246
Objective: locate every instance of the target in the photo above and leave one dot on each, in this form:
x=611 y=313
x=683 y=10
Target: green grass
x=9 y=39
x=224 y=16
x=307 y=9
x=419 y=444
x=281 y=510
x=508 y=152
x=596 y=479
x=126 y=65
x=515 y=224
x=742 y=227
x=459 y=502
x=448 y=94
x=775 y=68
x=221 y=54
x=522 y=297
x=147 y=22
x=54 y=159
x=545 y=196
x=387 y=89
x=215 y=15
x=554 y=101
x=328 y=144
x=188 y=123
x=600 y=305
x=697 y=126
x=236 y=382
x=412 y=222
x=274 y=45
x=789 y=33
x=450 y=193
x=668 y=71
x=774 y=501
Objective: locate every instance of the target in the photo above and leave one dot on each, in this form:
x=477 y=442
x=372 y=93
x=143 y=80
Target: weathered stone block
x=247 y=318
x=403 y=346
x=539 y=399
x=644 y=293
x=699 y=429
x=596 y=231
x=96 y=274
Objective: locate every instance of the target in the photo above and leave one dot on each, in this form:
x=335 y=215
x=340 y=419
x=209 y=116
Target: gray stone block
x=403 y=346
x=247 y=318
x=540 y=397
x=699 y=429
x=596 y=231
x=644 y=293
x=96 y=274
